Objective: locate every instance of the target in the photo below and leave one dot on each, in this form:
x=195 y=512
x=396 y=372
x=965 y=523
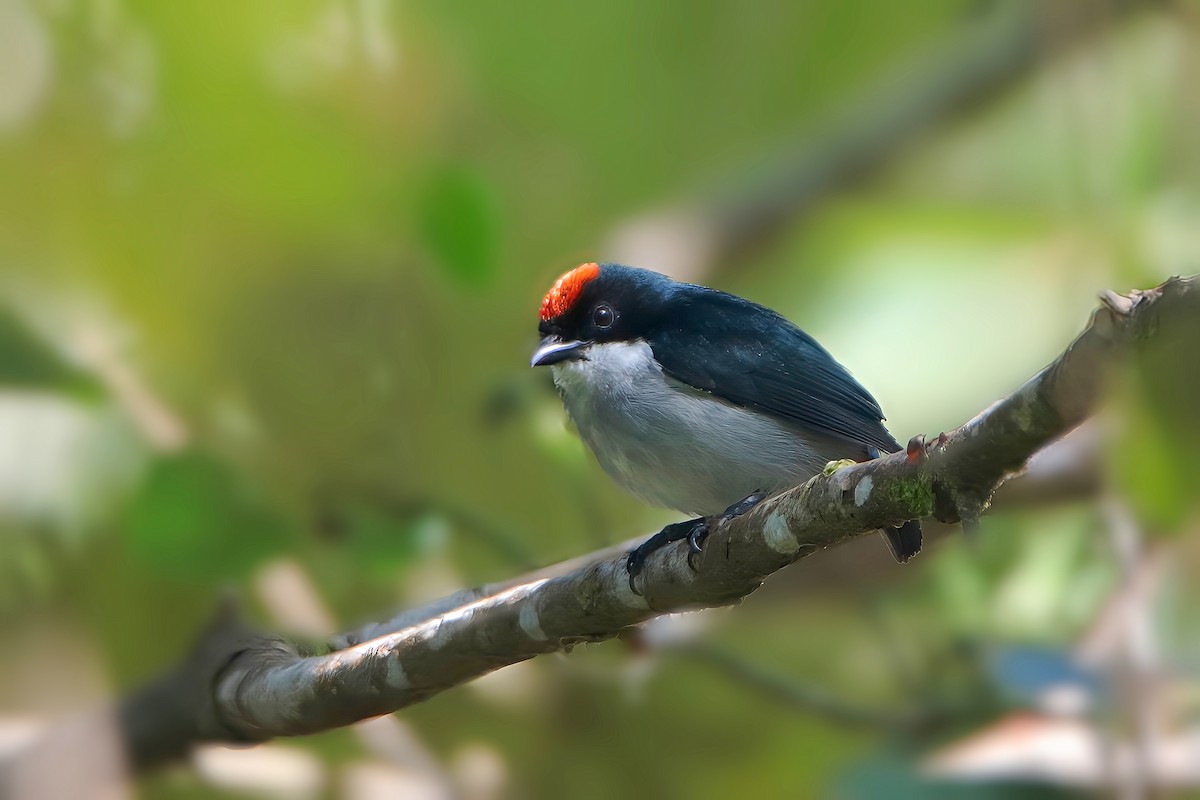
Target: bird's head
x=594 y=304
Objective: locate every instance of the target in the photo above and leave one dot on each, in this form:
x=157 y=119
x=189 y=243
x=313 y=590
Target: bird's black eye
x=603 y=317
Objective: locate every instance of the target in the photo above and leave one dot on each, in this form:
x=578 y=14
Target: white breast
x=673 y=445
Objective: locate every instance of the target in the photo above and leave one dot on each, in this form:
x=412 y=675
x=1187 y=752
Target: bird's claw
x=700 y=531
x=695 y=543
x=633 y=566
x=693 y=530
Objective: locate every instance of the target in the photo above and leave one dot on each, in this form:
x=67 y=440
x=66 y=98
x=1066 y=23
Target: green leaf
x=1155 y=459
x=1150 y=471
x=460 y=223
x=28 y=362
x=26 y=570
x=194 y=519
x=382 y=543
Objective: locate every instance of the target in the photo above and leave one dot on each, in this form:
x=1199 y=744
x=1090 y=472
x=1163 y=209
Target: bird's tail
x=905 y=540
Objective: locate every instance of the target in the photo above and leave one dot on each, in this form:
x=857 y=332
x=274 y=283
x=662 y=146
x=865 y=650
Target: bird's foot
x=671 y=533
x=694 y=530
x=742 y=506
x=696 y=538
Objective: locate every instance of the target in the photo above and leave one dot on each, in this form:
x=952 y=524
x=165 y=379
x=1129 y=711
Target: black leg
x=742 y=506
x=694 y=530
x=672 y=533
x=696 y=537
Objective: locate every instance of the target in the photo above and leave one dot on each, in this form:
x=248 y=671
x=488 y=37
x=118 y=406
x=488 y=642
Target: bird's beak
x=553 y=350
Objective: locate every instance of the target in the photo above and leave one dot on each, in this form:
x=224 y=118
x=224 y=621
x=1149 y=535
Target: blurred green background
x=269 y=275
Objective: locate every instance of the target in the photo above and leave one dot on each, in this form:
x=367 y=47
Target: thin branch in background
x=986 y=56
x=901 y=668
x=1137 y=665
x=498 y=537
x=332 y=520
x=1064 y=742
x=803 y=697
x=1067 y=470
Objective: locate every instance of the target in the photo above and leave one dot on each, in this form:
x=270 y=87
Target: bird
x=701 y=401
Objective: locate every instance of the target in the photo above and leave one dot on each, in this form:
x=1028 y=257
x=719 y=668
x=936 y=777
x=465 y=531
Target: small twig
x=985 y=56
x=803 y=697
x=1137 y=659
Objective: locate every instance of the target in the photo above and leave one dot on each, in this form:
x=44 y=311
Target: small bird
x=701 y=401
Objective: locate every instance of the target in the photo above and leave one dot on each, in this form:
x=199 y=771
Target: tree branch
x=986 y=55
x=245 y=687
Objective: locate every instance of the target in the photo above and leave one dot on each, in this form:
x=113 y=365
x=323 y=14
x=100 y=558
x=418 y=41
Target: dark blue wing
x=753 y=357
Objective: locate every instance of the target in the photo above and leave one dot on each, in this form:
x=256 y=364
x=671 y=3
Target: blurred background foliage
x=268 y=281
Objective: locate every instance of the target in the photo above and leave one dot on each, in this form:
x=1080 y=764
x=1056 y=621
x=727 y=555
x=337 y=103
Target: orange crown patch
x=565 y=291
